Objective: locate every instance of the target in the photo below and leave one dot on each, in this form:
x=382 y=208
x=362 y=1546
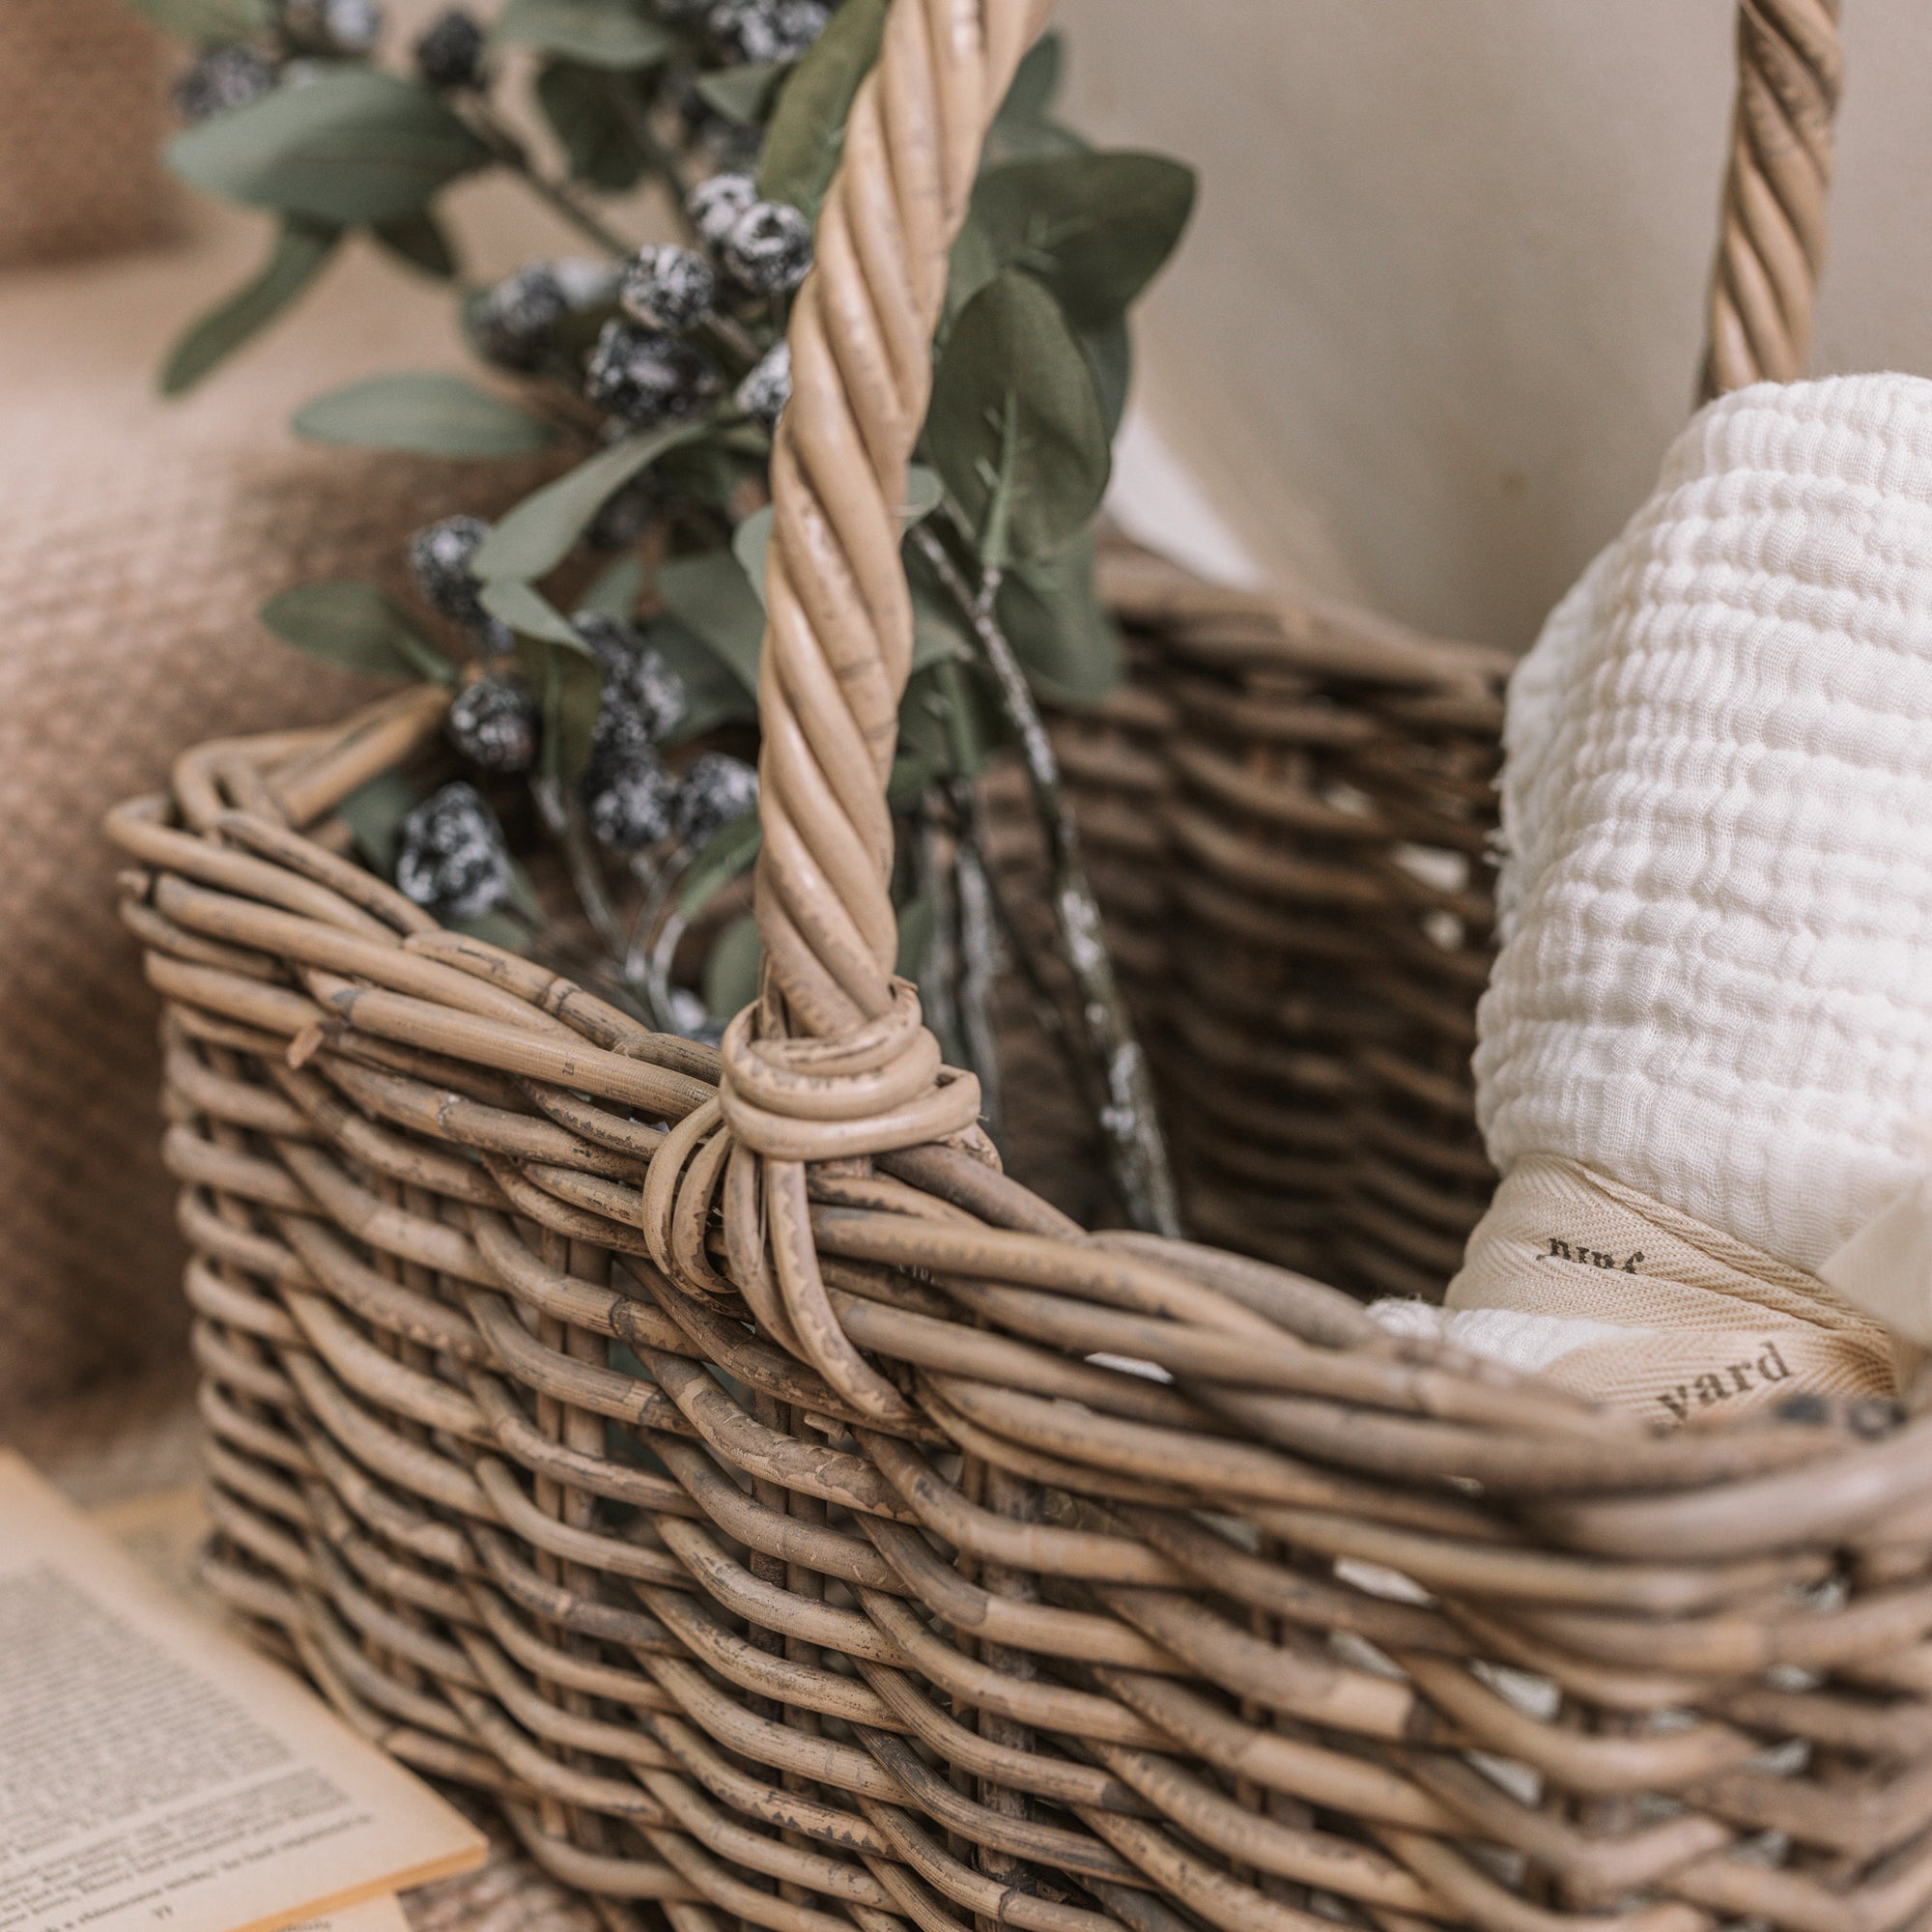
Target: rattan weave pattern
x=794 y=1521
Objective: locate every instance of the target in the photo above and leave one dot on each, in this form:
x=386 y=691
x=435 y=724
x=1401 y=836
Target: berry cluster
x=308 y=33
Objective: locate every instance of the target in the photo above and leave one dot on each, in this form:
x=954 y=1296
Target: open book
x=156 y=1772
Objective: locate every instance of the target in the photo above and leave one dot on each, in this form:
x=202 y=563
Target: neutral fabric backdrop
x=1440 y=312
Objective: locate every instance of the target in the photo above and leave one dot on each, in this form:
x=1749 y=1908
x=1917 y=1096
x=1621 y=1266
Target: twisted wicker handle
x=838 y=640
x=834 y=1061
x=1771 y=243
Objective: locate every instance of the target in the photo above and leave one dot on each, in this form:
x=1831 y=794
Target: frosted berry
x=330 y=26
x=769 y=30
x=636 y=680
x=494 y=724
x=713 y=791
x=452 y=860
x=221 y=80
x=449 y=50
x=514 y=321
x=668 y=288
x=768 y=248
x=440 y=556
x=586 y=282
x=689 y=1016
x=714 y=205
x=623 y=518
x=627 y=800
x=767 y=389
x=645 y=376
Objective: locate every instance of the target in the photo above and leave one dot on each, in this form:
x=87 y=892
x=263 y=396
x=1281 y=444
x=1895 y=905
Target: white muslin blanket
x=1715 y=990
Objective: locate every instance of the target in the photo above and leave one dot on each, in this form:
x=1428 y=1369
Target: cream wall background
x=1441 y=308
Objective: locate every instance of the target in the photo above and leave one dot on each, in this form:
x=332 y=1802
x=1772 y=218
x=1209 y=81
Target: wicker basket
x=726 y=1465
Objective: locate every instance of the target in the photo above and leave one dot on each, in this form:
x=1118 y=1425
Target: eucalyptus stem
x=565 y=824
x=979 y=954
x=514 y=155
x=1129 y=1126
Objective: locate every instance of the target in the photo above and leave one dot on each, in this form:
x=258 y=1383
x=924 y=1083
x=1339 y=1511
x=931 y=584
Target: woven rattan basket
x=797 y=1522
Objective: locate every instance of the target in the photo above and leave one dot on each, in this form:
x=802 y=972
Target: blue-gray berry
x=449 y=50
x=221 y=80
x=768 y=248
x=492 y=723
x=623 y=518
x=643 y=698
x=586 y=282
x=627 y=798
x=715 y=791
x=330 y=26
x=645 y=376
x=513 y=322
x=767 y=387
x=452 y=860
x=769 y=30
x=440 y=556
x=668 y=288
x=689 y=1016
x=714 y=205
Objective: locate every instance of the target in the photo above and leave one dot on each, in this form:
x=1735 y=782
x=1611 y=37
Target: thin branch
x=979 y=956
x=560 y=195
x=1136 y=1149
x=564 y=823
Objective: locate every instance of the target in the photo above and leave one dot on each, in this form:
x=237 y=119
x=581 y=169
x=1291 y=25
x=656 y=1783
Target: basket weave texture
x=793 y=1519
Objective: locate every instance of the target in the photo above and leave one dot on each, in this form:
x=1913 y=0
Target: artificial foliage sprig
x=601 y=637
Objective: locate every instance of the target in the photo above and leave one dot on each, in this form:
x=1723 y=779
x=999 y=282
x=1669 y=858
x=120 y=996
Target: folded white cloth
x=1715 y=981
x=1716 y=985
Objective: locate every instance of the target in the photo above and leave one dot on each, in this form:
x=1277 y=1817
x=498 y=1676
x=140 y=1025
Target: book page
x=154 y=1771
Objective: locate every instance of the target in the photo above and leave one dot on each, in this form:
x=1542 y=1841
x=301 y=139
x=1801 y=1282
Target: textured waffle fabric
x=1716 y=984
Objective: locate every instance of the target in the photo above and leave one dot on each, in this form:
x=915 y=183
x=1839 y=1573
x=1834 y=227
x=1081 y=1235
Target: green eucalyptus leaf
x=354 y=146
x=939 y=633
x=594 y=114
x=732 y=967
x=1094 y=227
x=537 y=535
x=496 y=927
x=429 y=415
x=711 y=597
x=1110 y=352
x=1058 y=628
x=918 y=922
x=925 y=492
x=420 y=241
x=208 y=22
x=530 y=614
x=750 y=542
x=598 y=33
x=743 y=93
x=1035 y=83
x=297 y=257
x=569 y=683
x=729 y=853
x=806 y=132
x=614 y=589
x=357 y=627
x=374 y=813
x=1015 y=425
x=713 y=693
x=949 y=725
